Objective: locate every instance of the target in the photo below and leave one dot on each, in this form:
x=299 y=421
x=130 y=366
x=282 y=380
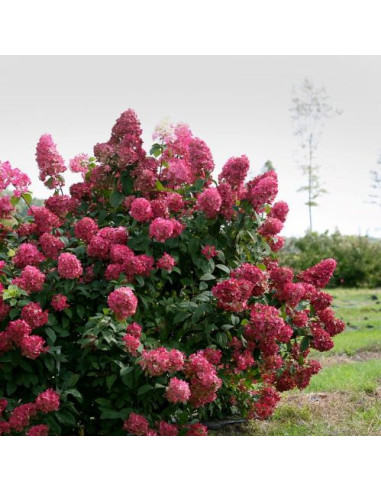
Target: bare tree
x=310 y=109
x=375 y=195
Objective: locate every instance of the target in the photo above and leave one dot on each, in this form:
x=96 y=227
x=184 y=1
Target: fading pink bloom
x=50 y=162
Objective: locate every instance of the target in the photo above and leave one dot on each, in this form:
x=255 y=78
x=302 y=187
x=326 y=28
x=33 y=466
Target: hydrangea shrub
x=149 y=300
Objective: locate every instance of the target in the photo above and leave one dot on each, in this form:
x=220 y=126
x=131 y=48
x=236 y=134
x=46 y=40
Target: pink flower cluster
x=320 y=274
x=50 y=162
x=27 y=254
x=33 y=314
x=79 y=164
x=14 y=177
x=61 y=205
x=18 y=334
x=51 y=245
x=267 y=325
x=141 y=210
x=166 y=262
x=44 y=219
x=159 y=361
x=85 y=229
x=209 y=251
x=209 y=201
x=235 y=171
x=177 y=391
x=136 y=424
x=125 y=142
x=232 y=294
x=204 y=382
x=163 y=229
x=46 y=402
x=59 y=302
x=5 y=207
x=69 y=266
x=254 y=275
x=132 y=338
x=100 y=243
x=265 y=403
x=262 y=189
x=123 y=302
x=31 y=279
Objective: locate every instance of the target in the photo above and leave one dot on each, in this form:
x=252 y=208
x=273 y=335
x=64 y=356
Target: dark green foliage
x=358 y=257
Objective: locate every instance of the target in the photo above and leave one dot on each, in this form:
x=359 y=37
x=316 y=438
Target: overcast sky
x=238 y=105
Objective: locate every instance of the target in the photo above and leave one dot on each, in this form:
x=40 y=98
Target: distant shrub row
x=358 y=257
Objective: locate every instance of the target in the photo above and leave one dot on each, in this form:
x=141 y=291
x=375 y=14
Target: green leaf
x=49 y=363
x=75 y=393
x=182 y=316
x=80 y=311
x=110 y=414
x=144 y=389
x=51 y=334
x=199 y=312
x=159 y=186
x=110 y=380
x=66 y=418
x=15 y=200
x=102 y=401
x=73 y=380
x=224 y=268
x=156 y=150
x=305 y=343
x=126 y=370
x=68 y=312
x=127 y=184
x=27 y=197
x=207 y=276
x=222 y=339
x=13 y=313
x=116 y=198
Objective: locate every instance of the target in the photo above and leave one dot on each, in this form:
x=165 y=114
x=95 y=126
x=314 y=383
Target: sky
x=237 y=104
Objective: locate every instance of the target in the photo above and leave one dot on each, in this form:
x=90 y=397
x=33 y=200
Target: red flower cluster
x=69 y=266
x=166 y=262
x=209 y=251
x=232 y=294
x=33 y=314
x=320 y=274
x=14 y=177
x=132 y=338
x=235 y=171
x=136 y=424
x=163 y=229
x=203 y=378
x=123 y=302
x=59 y=302
x=18 y=334
x=159 y=361
x=177 y=391
x=209 y=201
x=85 y=229
x=51 y=245
x=27 y=254
x=20 y=417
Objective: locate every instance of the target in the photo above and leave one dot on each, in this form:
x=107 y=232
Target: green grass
x=362 y=316
x=339 y=417
x=353 y=376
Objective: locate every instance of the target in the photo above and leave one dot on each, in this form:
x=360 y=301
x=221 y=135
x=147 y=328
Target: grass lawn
x=345 y=397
